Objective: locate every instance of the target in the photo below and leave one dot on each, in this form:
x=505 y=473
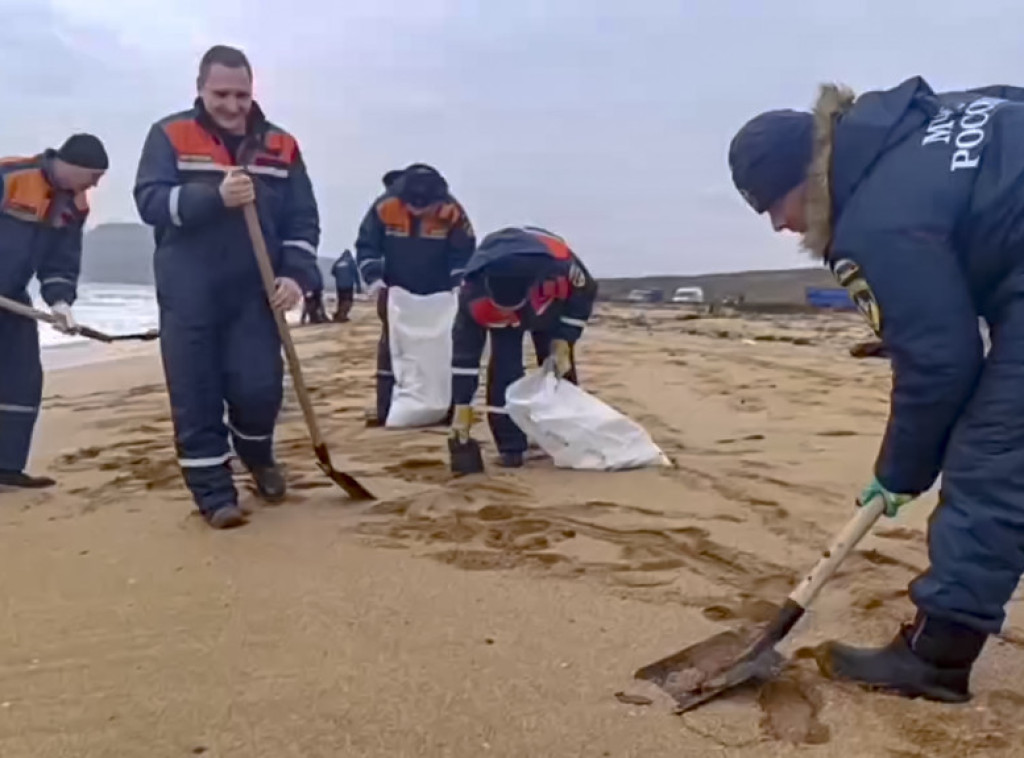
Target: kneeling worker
x=519 y=279
x=913 y=199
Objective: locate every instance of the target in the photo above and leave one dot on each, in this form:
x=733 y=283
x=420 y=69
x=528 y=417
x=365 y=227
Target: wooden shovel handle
x=259 y=244
x=844 y=542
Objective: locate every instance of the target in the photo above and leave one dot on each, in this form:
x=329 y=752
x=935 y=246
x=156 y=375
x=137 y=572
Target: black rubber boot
x=270 y=483
x=931 y=658
x=24 y=481
x=510 y=460
x=227 y=517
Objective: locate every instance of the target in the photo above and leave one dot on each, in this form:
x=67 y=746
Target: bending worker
x=520 y=279
x=42 y=211
x=415 y=236
x=914 y=201
x=219 y=342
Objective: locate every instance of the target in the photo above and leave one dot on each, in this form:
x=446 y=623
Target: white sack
x=576 y=429
x=420 y=335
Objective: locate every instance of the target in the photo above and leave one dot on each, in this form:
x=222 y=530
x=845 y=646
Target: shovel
x=28 y=312
x=725 y=661
x=347 y=482
x=466 y=457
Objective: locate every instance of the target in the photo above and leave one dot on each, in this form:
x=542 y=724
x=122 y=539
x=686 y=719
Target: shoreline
x=76 y=355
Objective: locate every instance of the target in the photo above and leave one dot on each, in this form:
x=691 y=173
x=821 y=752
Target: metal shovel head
x=347 y=482
x=704 y=671
x=466 y=457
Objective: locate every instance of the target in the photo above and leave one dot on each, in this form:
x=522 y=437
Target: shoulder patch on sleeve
x=576 y=276
x=850 y=277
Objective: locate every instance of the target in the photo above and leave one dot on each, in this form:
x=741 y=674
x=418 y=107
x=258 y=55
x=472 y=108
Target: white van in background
x=688 y=295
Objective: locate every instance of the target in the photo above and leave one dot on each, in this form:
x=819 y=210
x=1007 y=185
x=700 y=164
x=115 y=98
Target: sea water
x=110 y=308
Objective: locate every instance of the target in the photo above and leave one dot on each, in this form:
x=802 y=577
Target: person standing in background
x=313 y=311
x=346 y=280
x=415 y=236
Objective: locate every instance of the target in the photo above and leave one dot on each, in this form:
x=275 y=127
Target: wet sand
x=495 y=615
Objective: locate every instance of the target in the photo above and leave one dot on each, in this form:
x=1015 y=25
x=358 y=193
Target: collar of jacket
x=46 y=159
x=256 y=124
x=833 y=102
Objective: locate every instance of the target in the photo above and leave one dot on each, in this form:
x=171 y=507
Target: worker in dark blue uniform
x=415 y=236
x=220 y=345
x=346 y=282
x=43 y=208
x=913 y=199
x=520 y=279
x=313 y=311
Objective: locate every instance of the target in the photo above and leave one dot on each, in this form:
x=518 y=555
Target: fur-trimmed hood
x=850 y=132
x=834 y=101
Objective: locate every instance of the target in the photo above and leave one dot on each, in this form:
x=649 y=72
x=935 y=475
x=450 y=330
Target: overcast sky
x=607 y=121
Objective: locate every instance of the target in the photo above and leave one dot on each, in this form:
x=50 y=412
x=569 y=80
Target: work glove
x=560 y=360
x=65 y=320
x=462 y=423
x=287 y=294
x=374 y=289
x=893 y=502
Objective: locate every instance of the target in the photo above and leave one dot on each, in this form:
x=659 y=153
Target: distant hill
x=123 y=254
x=769 y=287
x=118 y=254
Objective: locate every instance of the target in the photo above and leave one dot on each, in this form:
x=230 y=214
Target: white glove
x=372 y=290
x=65 y=320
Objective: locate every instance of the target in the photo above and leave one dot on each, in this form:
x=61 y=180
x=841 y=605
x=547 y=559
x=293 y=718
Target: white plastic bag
x=576 y=429
x=420 y=334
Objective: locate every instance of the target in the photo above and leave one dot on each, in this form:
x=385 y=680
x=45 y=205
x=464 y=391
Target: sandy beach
x=487 y=616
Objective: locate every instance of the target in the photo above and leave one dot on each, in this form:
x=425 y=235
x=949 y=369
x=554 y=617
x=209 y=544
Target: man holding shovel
x=219 y=341
x=519 y=279
x=42 y=212
x=914 y=200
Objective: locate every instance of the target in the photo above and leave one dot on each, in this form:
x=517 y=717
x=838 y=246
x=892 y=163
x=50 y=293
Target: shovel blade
x=466 y=457
x=347 y=482
x=710 y=668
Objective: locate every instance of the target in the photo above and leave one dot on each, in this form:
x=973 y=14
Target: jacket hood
x=850 y=133
x=504 y=244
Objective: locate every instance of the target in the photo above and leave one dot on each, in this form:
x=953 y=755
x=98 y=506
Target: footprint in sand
x=790 y=706
x=425 y=470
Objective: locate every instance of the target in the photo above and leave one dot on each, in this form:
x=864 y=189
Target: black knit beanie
x=84 y=151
